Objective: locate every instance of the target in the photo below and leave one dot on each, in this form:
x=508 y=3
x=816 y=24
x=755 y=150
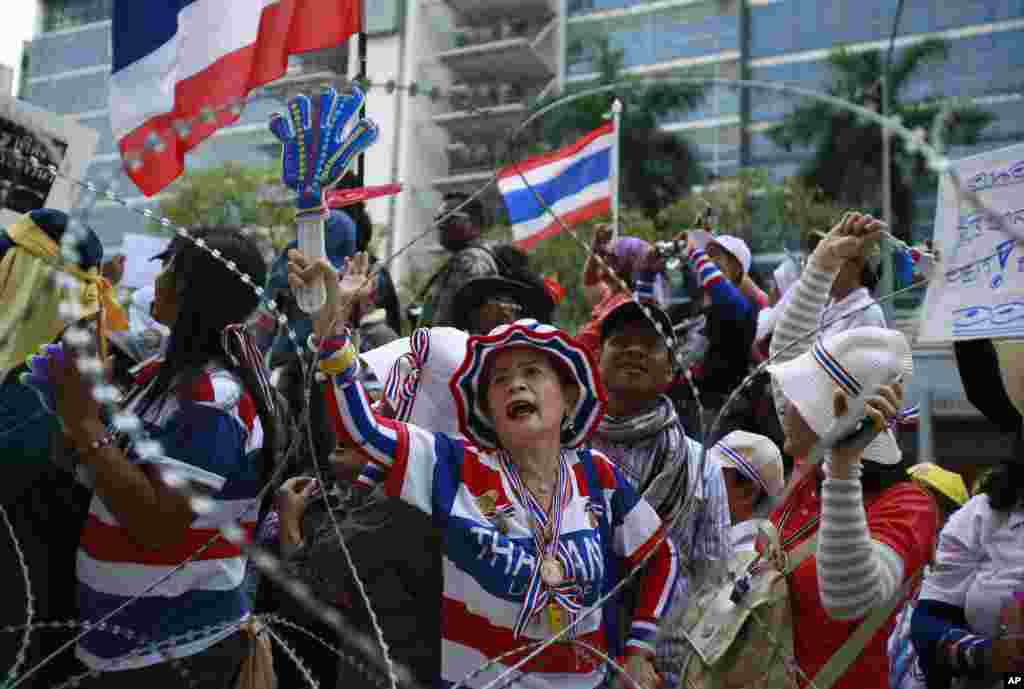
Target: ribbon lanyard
x=553 y=582
x=758 y=564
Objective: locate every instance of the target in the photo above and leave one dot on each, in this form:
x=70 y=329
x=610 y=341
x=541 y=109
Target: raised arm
x=722 y=292
x=805 y=301
x=415 y=465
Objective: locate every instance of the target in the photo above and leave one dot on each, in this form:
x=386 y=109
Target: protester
x=403 y=581
x=961 y=627
x=873 y=529
x=784 y=277
x=730 y=329
x=482 y=304
x=949 y=492
x=642 y=434
x=209 y=405
x=753 y=473
x=610 y=276
x=385 y=296
x=38 y=491
x=460 y=234
x=850 y=303
x=967 y=628
x=528 y=397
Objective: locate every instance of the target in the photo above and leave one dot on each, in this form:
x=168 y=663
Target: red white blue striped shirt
x=488 y=562
x=210 y=435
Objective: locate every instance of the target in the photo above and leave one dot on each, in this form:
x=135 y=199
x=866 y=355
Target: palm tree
x=847 y=160
x=657 y=167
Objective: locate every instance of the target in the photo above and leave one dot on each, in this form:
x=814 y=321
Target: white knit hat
x=415 y=372
x=735 y=247
x=755 y=456
x=857 y=361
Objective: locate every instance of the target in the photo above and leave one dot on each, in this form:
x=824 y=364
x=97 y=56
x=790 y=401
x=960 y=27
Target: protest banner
x=977 y=286
x=61 y=141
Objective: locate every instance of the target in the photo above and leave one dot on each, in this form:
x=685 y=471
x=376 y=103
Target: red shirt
x=905 y=519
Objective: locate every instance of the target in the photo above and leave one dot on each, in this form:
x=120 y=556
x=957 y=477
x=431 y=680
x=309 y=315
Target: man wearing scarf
x=643 y=435
x=42 y=501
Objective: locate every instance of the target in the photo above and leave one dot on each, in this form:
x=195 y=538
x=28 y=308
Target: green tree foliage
x=768 y=216
x=657 y=167
x=231 y=195
x=846 y=161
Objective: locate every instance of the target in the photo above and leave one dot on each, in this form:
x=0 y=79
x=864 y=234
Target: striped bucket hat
x=566 y=353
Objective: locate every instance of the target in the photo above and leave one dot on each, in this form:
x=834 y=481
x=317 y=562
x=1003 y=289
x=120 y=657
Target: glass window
x=55 y=53
x=67 y=14
x=384 y=16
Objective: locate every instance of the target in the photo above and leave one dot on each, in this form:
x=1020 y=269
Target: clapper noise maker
x=319 y=143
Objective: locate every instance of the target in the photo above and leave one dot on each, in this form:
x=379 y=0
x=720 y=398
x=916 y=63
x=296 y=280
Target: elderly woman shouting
x=531 y=522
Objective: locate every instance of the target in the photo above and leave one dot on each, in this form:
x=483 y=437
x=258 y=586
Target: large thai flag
x=194 y=61
x=574 y=181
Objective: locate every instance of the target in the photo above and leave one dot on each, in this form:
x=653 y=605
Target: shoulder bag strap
x=800 y=553
x=844 y=657
x=610 y=610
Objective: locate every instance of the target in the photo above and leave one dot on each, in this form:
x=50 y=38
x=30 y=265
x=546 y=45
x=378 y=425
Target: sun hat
x=755 y=456
x=990 y=372
x=565 y=351
x=735 y=247
x=415 y=372
x=535 y=301
x=857 y=361
x=941 y=480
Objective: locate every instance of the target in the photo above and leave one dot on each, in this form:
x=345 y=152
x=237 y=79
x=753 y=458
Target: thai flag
x=181 y=69
x=574 y=181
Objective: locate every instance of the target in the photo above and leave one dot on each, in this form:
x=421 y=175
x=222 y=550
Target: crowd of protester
x=474 y=487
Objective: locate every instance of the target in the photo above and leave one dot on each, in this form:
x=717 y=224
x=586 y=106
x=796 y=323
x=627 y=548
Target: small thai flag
x=574 y=181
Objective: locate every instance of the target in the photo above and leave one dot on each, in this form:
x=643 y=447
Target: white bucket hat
x=755 y=456
x=857 y=361
x=415 y=372
x=735 y=247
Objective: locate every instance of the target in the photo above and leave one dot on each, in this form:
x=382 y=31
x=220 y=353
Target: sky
x=16 y=28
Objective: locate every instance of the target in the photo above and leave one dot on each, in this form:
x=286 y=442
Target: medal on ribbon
x=553 y=589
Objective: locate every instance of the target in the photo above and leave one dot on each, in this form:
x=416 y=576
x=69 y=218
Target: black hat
x=978 y=364
x=631 y=310
x=534 y=299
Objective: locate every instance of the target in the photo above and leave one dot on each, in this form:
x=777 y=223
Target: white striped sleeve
x=855 y=573
x=798 y=318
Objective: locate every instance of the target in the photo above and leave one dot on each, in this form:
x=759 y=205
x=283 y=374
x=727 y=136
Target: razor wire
x=913 y=140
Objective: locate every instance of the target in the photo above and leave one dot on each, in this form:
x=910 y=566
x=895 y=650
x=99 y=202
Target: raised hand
x=342 y=294
x=846 y=240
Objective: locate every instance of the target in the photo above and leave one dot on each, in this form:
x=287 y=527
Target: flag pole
x=363 y=49
x=616 y=125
